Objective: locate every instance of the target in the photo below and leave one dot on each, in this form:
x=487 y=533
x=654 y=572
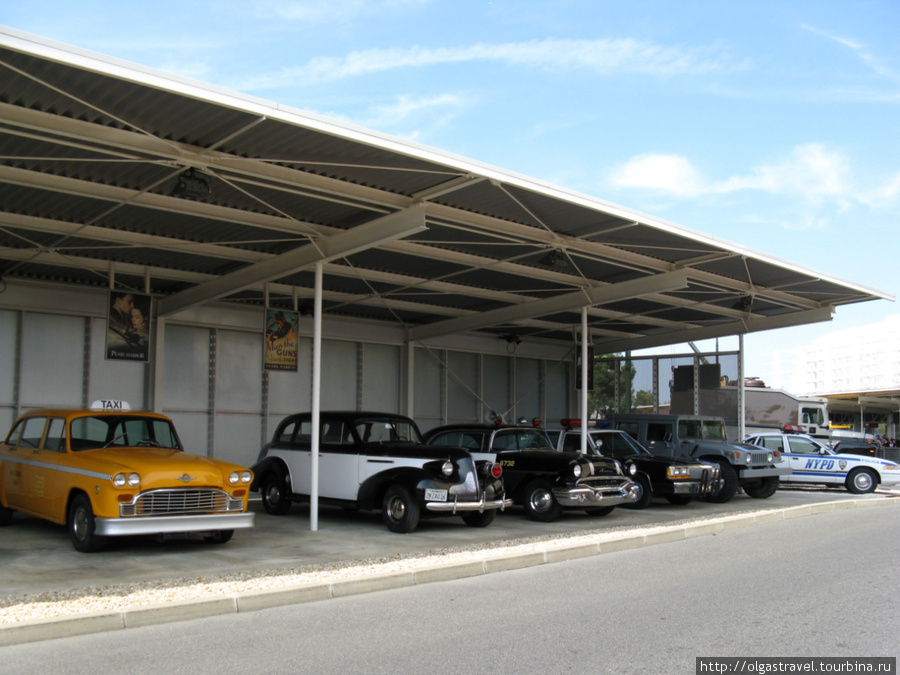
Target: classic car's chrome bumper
x=456 y=506
x=117 y=527
x=593 y=494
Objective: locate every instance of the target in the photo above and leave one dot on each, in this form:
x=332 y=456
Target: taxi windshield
x=121 y=431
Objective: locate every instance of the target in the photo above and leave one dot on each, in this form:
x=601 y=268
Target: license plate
x=435 y=495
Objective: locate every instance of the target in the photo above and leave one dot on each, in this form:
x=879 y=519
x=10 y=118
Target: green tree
x=602 y=400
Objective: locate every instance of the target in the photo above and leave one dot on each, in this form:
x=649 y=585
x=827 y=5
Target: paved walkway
x=36 y=557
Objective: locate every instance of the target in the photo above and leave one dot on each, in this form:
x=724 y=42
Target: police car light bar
x=792 y=429
x=575 y=423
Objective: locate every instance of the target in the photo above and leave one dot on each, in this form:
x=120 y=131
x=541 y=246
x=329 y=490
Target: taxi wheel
x=274 y=495
x=539 y=502
x=479 y=519
x=729 y=483
x=218 y=536
x=861 y=481
x=82 y=526
x=399 y=510
x=645 y=494
x=6 y=516
x=764 y=489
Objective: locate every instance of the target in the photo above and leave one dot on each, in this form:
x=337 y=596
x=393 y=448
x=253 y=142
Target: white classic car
x=814 y=462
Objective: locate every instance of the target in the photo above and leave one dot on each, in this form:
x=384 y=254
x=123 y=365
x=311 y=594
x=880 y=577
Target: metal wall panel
x=120 y=380
x=381 y=378
x=339 y=375
x=463 y=387
x=237 y=438
x=186 y=385
x=496 y=386
x=528 y=388
x=290 y=392
x=52 y=361
x=238 y=372
x=556 y=392
x=193 y=430
x=428 y=410
x=9 y=328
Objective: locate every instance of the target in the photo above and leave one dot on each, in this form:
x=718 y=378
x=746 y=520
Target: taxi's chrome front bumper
x=119 y=527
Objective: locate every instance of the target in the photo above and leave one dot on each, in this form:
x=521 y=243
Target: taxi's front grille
x=173 y=502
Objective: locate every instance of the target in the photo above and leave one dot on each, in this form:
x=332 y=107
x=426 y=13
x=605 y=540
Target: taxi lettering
x=820 y=464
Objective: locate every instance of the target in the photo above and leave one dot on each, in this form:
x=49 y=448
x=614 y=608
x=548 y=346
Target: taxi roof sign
x=110 y=405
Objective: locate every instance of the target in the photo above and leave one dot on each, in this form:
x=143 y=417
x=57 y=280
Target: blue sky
x=775 y=125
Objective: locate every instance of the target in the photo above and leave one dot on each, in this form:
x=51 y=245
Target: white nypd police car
x=814 y=462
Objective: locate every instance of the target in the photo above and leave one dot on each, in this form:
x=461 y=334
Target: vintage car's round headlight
x=234 y=478
x=246 y=476
x=447 y=468
x=576 y=471
x=631 y=468
x=134 y=479
x=120 y=480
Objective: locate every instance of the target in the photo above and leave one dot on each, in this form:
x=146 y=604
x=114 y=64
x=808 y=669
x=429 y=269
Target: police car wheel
x=861 y=481
x=729 y=483
x=539 y=502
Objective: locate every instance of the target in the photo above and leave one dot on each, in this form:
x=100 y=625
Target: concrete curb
x=84 y=624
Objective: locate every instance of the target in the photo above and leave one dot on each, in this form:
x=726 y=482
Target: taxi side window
x=56 y=435
x=32 y=432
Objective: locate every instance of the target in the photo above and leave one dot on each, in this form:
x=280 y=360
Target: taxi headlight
x=134 y=479
x=120 y=480
x=246 y=476
x=234 y=478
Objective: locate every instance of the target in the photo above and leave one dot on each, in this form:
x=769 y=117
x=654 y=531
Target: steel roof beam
x=749 y=325
x=659 y=283
x=373 y=233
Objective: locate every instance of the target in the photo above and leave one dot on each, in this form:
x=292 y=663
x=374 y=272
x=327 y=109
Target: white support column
x=742 y=422
x=316 y=400
x=584 y=379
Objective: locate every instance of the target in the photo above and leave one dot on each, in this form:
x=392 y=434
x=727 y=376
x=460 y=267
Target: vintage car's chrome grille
x=173 y=502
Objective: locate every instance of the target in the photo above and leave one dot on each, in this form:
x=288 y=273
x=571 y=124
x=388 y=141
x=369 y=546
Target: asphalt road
x=822 y=585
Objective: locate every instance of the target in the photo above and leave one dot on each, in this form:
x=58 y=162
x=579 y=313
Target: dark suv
x=373 y=460
x=538 y=477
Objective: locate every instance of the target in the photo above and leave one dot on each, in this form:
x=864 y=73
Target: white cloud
x=811 y=172
x=331 y=11
x=605 y=57
x=869 y=59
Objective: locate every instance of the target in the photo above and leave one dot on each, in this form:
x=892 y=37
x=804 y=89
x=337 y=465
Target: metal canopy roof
x=91 y=150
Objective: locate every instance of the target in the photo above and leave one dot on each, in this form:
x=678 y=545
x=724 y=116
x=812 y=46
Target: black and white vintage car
x=370 y=461
x=538 y=477
x=678 y=479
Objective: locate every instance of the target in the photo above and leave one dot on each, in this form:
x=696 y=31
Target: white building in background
x=866 y=358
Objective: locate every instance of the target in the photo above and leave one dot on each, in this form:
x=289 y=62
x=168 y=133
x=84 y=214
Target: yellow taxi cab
x=109 y=471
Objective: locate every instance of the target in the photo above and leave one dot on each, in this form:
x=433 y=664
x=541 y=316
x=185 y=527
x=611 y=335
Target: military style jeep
x=703 y=437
